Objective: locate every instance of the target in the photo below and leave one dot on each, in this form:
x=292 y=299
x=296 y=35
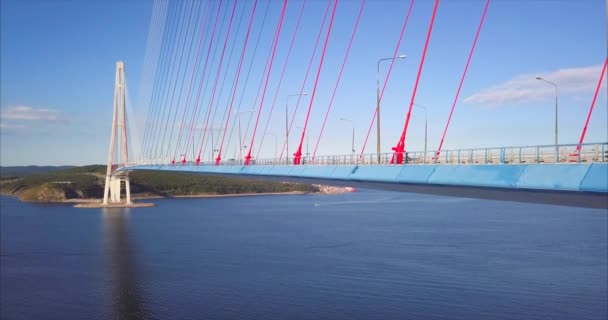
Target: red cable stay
x=217 y=77
x=214 y=140
x=274 y=49
x=236 y=83
x=388 y=74
x=597 y=90
x=200 y=86
x=331 y=101
x=314 y=51
x=274 y=101
x=298 y=154
x=242 y=139
x=483 y=16
x=198 y=51
x=400 y=147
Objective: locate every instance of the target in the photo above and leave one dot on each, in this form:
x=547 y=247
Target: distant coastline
x=324 y=190
x=84 y=185
x=202 y=195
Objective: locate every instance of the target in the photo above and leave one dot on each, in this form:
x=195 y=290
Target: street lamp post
x=352 y=145
x=425 y=128
x=378 y=99
x=238 y=116
x=213 y=149
x=556 y=97
x=210 y=129
x=287 y=123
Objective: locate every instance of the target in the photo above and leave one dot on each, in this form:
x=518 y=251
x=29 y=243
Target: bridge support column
x=127 y=190
x=106 y=190
x=113 y=190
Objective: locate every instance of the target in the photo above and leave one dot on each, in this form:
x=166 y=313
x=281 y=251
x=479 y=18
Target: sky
x=58 y=58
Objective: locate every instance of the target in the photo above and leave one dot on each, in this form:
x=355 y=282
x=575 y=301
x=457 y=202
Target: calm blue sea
x=363 y=255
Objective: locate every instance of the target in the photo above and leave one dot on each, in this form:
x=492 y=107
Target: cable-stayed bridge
x=215 y=77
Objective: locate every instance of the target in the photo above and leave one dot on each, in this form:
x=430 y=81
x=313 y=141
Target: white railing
x=563 y=153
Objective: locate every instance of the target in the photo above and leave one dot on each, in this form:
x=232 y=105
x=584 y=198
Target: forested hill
x=87 y=183
x=6 y=172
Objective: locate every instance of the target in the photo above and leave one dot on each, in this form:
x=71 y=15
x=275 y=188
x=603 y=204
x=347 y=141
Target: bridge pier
x=114 y=179
x=112 y=191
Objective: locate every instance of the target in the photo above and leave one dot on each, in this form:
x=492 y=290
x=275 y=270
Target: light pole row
x=426 y=111
x=378 y=125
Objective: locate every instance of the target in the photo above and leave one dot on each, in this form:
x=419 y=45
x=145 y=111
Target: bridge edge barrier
x=596 y=178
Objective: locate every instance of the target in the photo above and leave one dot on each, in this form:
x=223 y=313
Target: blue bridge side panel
x=280 y=170
x=212 y=169
x=415 y=174
x=297 y=171
x=375 y=173
x=263 y=170
x=317 y=171
x=596 y=179
x=178 y=168
x=248 y=170
x=500 y=176
x=553 y=176
x=342 y=172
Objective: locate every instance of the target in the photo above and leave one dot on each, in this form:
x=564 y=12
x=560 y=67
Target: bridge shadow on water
x=563 y=198
x=125 y=290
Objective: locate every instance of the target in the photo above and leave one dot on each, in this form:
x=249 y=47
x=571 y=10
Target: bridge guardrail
x=563 y=153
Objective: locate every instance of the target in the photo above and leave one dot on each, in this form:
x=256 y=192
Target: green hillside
x=19 y=171
x=87 y=183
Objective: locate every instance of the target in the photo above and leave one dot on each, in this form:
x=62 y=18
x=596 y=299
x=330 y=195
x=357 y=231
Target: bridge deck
x=578 y=177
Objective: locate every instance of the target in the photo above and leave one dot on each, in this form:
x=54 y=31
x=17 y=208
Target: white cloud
x=525 y=88
x=26 y=113
x=10 y=126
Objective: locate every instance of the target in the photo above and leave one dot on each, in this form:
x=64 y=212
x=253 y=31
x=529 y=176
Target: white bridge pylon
x=111 y=194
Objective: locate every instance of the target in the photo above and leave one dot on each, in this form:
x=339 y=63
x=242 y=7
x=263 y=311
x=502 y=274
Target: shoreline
x=217 y=195
x=323 y=189
x=149 y=197
x=211 y=195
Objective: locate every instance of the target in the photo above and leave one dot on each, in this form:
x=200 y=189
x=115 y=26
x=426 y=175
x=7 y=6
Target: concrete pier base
x=115 y=205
